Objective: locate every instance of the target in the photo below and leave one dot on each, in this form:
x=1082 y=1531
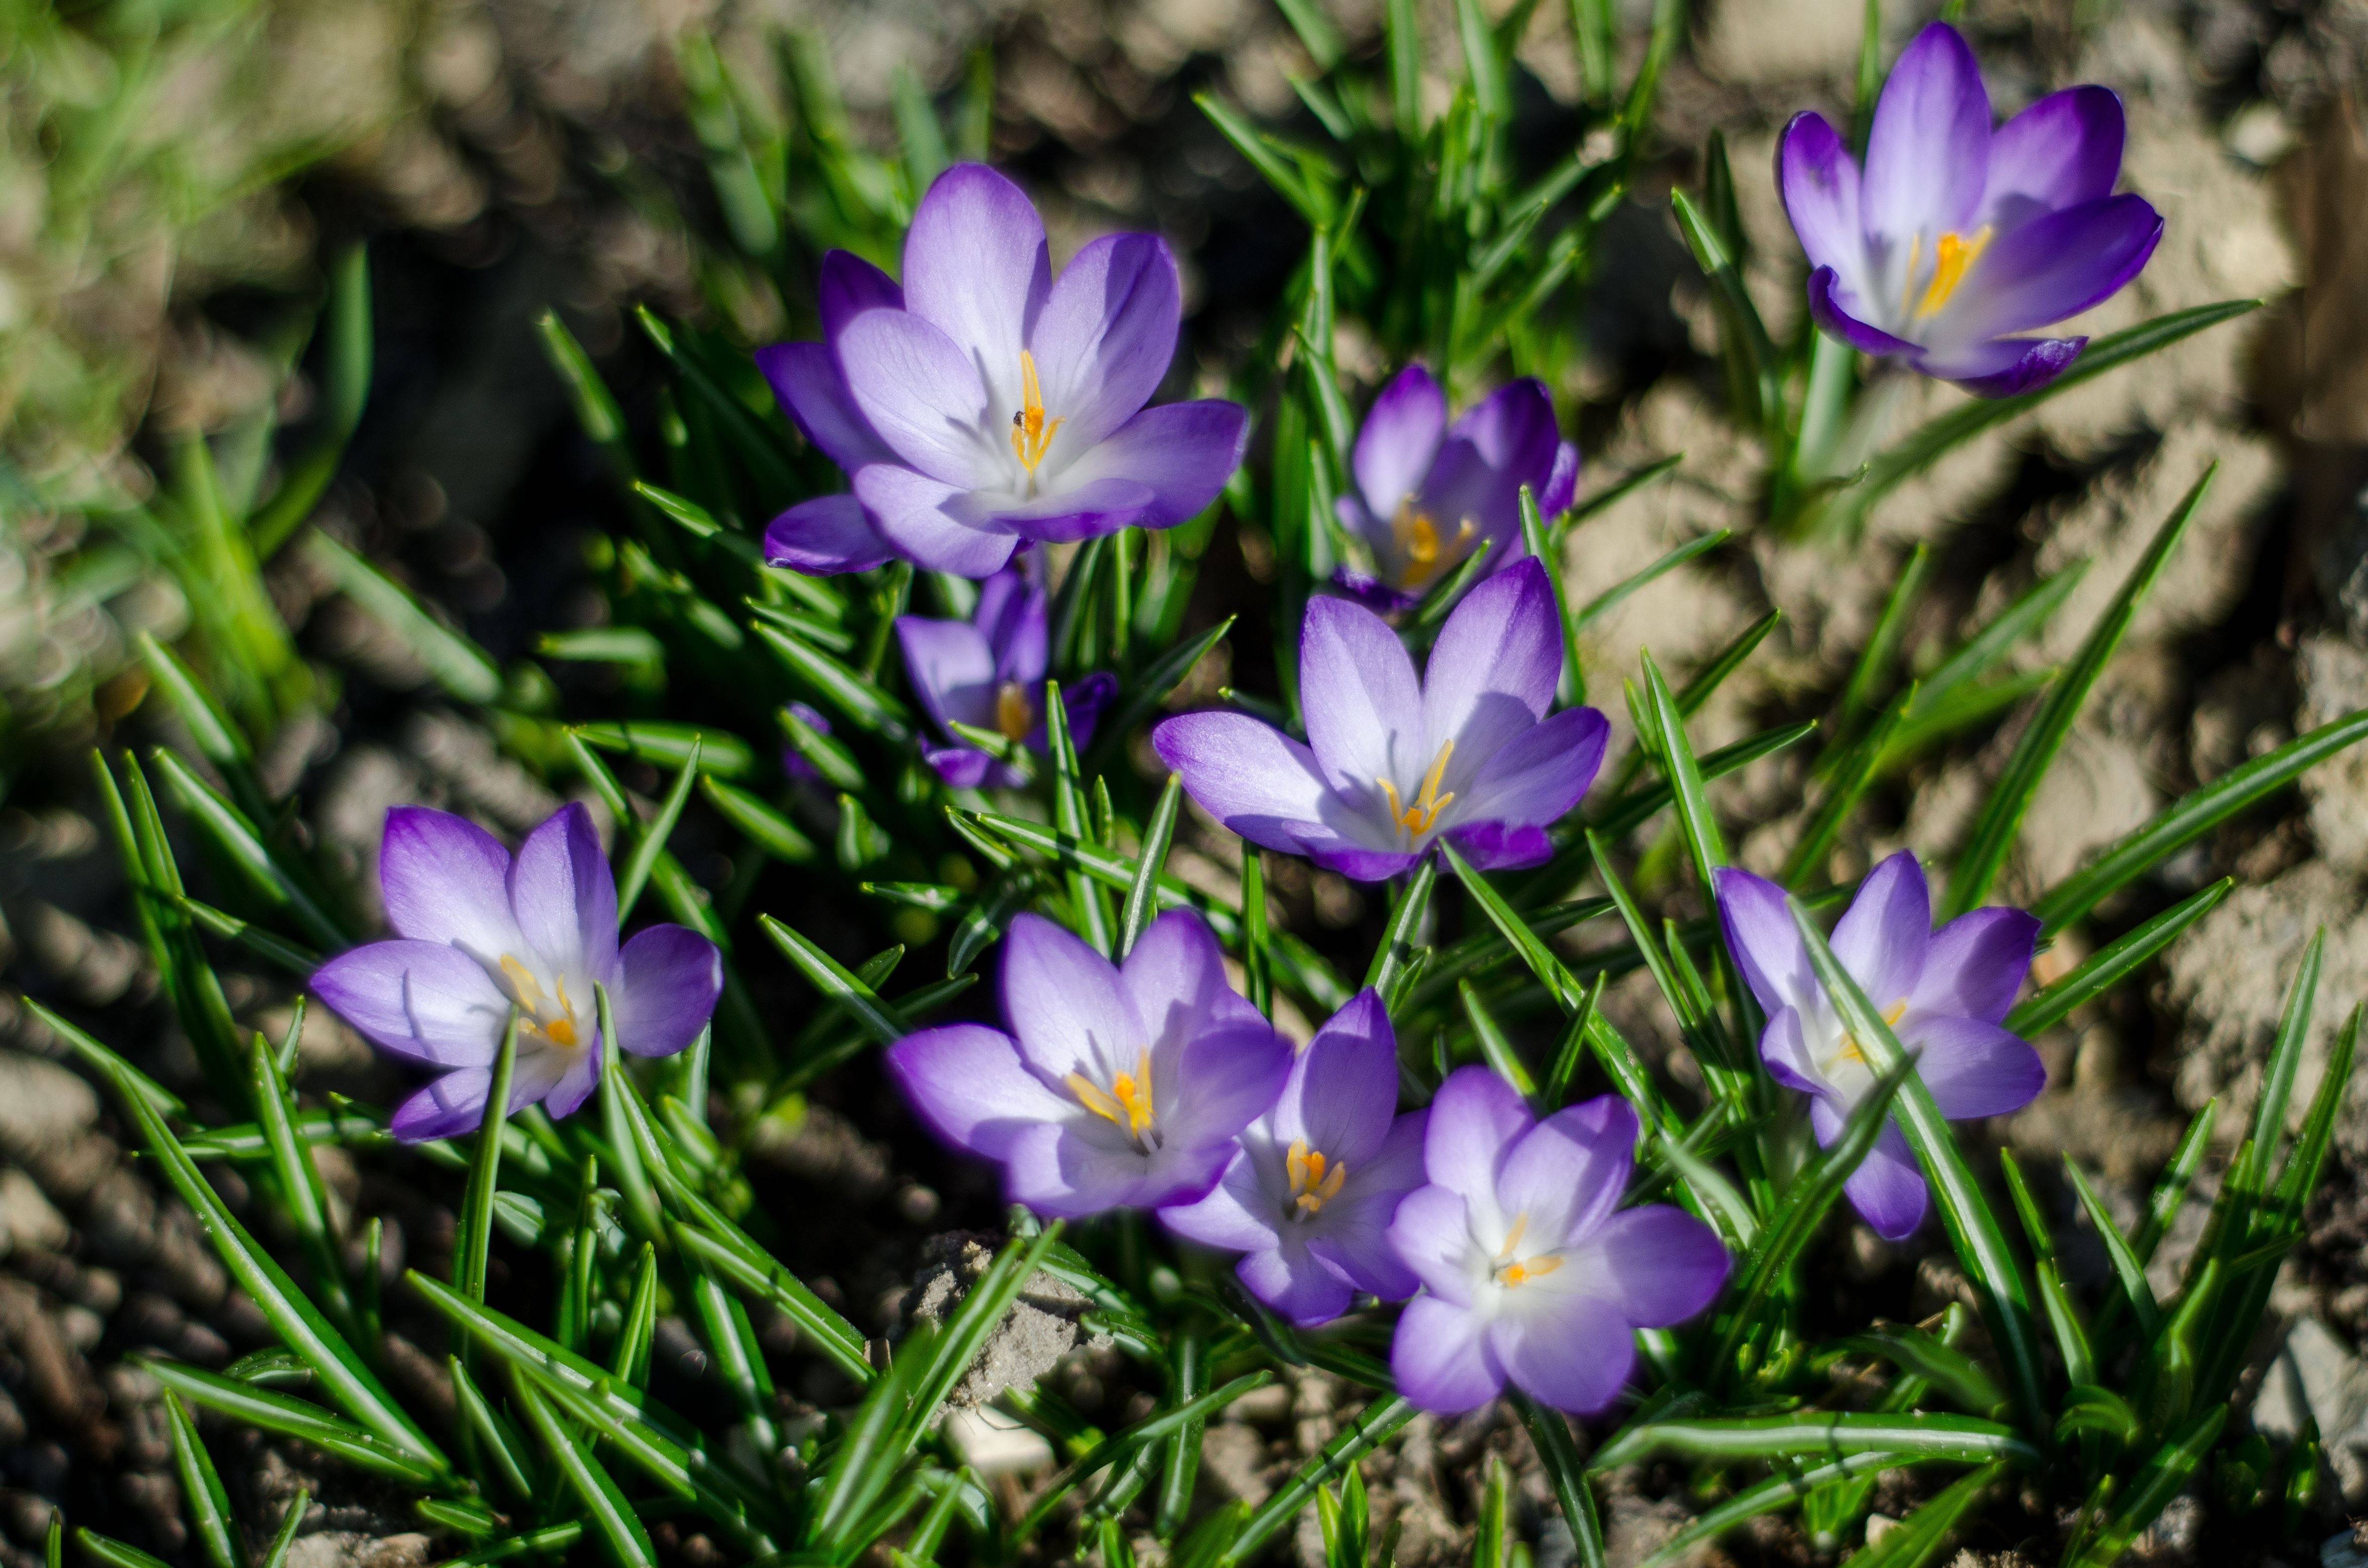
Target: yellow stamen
x=1013 y=716
x=1126 y=1102
x=1951 y=259
x=1510 y=1273
x=1314 y=1181
x=1031 y=433
x=1426 y=554
x=526 y=990
x=1423 y=815
x=1852 y=1051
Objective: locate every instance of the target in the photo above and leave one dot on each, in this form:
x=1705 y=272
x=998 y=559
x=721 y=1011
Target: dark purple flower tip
x=1942 y=991
x=1530 y=1273
x=1956 y=237
x=1429 y=495
x=480 y=932
x=1117 y=1087
x=1309 y=1191
x=826 y=536
x=1392 y=763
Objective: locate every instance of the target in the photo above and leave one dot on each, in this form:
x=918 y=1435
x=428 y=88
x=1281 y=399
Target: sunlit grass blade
x=1399 y=938
x=650 y=839
x=2190 y=817
x=613 y=1518
x=2024 y=618
x=300 y=1325
x=1558 y=1453
x=1141 y=897
x=2165 y=1476
x=1782 y=1490
x=498 y=1443
x=1972 y=1228
x=1602 y=604
x=1846 y=787
x=302 y=1199
x=457 y=664
x=202 y=1489
x=1948 y=1370
x=1752 y=364
x=1129 y=1443
x=830 y=977
x=240 y=844
x=1918 y=1539
x=1374 y=1425
x=2108 y=965
x=1934 y=440
x=275 y=1555
x=470 y=1261
x=758 y=822
x=1630 y=811
x=1816 y=1434
x=290 y=1417
x=856 y=698
x=1495 y=1048
x=1992 y=837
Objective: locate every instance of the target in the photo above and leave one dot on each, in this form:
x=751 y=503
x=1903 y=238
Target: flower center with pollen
x=1013 y=716
x=1423 y=815
x=554 y=1017
x=1850 y=1051
x=1315 y=1181
x=1510 y=1271
x=1953 y=258
x=1127 y=1102
x=1425 y=552
x=1031 y=433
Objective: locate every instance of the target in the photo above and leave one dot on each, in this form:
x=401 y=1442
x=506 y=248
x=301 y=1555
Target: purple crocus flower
x=1119 y=1086
x=989 y=671
x=1531 y=1271
x=478 y=932
x=1958 y=235
x=1393 y=764
x=987 y=403
x=1313 y=1184
x=1430 y=494
x=1943 y=992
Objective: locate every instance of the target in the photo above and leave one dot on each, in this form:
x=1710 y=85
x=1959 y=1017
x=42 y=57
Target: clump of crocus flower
x=1118 y=1085
x=478 y=933
x=1308 y=1195
x=1393 y=764
x=989 y=672
x=1943 y=992
x=1958 y=236
x=987 y=403
x=1428 y=493
x=1532 y=1272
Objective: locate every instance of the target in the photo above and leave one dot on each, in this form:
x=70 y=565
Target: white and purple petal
x=825 y=536
x=444 y=879
x=1658 y=1264
x=1492 y=673
x=1928 y=150
x=1105 y=334
x=1974 y=1068
x=1440 y=1358
x=1400 y=436
x=967 y=1082
x=1883 y=937
x=668 y=978
x=976 y=268
x=425 y=1001
x=565 y=897
x=1976 y=965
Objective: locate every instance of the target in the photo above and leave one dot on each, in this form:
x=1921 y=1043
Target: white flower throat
x=1953 y=258
x=1126 y=1103
x=1032 y=431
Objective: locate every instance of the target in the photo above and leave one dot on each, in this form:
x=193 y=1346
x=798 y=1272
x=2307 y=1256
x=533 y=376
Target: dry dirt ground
x=488 y=207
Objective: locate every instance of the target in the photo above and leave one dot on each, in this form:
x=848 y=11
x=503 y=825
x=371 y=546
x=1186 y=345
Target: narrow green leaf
x=1495 y=1047
x=229 y=830
x=1992 y=834
x=828 y=975
x=650 y=837
x=1984 y=648
x=292 y=1417
x=2108 y=965
x=758 y=822
x=1603 y=603
x=2190 y=817
x=276 y=1556
x=496 y=1439
x=346 y=1377
x=1398 y=938
x=457 y=664
x=1361 y=1437
x=1151 y=689
x=201 y=1489
x=1785 y=1488
x=1919 y=1538
x=613 y=1518
x=471 y=1262
x=2165 y=1476
x=1142 y=898
x=1816 y=1434
x=857 y=699
x=1751 y=358
x=1914 y=453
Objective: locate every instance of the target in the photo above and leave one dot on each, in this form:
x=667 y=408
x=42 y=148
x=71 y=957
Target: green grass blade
x=1495 y=1048
x=614 y=1521
x=1994 y=832
x=470 y=1261
x=830 y=977
x=2192 y=816
x=300 y=1325
x=1972 y=1230
x=276 y=1556
x=1919 y=1536
x=2165 y=1476
x=1142 y=898
x=230 y=832
x=1151 y=689
x=758 y=822
x=201 y=1489
x=1984 y=648
x=302 y=1199
x=496 y=1439
x=1817 y=1434
x=456 y=663
x=1361 y=1437
x=1780 y=1490
x=292 y=1417
x=1933 y=441
x=1398 y=938
x=650 y=837
x=1875 y=660
x=2128 y=1269
x=1603 y=603
x=2109 y=965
